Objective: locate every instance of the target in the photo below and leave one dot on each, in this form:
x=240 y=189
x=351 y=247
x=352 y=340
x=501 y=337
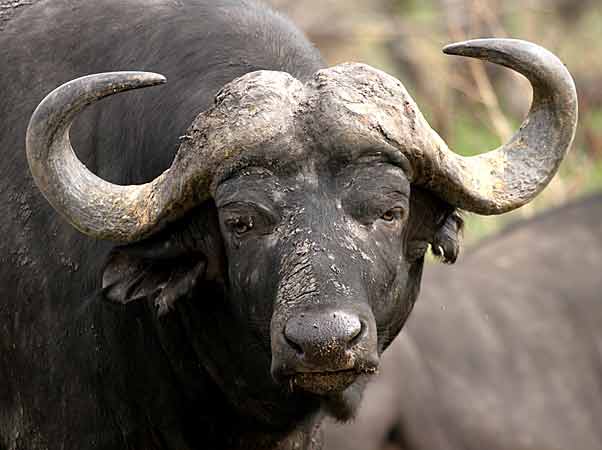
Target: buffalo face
x=324 y=255
x=316 y=249
x=316 y=228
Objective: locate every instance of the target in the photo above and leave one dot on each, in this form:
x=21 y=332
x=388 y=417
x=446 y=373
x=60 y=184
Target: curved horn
x=92 y=205
x=218 y=139
x=512 y=175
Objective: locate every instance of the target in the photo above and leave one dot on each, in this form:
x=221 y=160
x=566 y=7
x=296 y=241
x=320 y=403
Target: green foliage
x=469 y=138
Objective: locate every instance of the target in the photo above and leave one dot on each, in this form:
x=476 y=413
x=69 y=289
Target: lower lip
x=323 y=383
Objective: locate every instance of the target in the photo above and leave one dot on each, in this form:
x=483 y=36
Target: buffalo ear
x=128 y=278
x=169 y=266
x=433 y=222
x=447 y=240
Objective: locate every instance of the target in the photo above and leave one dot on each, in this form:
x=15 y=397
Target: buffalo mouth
x=324 y=383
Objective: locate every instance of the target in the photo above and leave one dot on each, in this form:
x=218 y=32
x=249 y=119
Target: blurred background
x=474 y=106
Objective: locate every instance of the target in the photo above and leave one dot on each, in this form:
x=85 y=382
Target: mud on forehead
x=356 y=106
x=343 y=113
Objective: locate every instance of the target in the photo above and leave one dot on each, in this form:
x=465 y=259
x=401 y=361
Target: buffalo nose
x=318 y=336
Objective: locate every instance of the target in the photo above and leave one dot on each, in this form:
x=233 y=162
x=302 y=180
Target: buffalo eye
x=392 y=215
x=242 y=219
x=240 y=225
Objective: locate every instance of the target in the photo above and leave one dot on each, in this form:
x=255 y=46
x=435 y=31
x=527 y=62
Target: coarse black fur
x=79 y=371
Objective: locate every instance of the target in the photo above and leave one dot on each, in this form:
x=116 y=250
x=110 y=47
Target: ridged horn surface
x=513 y=174
x=92 y=205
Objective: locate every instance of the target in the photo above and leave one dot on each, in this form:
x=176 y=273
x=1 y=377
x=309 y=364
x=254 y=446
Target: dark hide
x=502 y=352
x=165 y=344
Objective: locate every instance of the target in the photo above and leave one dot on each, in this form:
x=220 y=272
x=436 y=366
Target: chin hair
x=343 y=406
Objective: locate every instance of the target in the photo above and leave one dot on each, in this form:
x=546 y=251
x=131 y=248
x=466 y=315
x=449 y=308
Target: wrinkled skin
x=502 y=352
x=334 y=235
x=302 y=261
x=182 y=341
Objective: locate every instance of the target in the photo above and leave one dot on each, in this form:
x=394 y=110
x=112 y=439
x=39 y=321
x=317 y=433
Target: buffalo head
x=327 y=195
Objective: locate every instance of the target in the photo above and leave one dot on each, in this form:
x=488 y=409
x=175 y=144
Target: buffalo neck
x=155 y=383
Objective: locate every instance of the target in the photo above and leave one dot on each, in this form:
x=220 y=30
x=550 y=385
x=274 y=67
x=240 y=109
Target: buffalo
x=219 y=262
x=502 y=352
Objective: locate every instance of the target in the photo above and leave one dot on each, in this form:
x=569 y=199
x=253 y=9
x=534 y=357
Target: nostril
x=357 y=334
x=291 y=341
x=298 y=349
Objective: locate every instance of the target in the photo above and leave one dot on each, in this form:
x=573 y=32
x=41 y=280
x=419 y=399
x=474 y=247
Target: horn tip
x=472 y=47
x=457 y=48
x=152 y=78
x=451 y=49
